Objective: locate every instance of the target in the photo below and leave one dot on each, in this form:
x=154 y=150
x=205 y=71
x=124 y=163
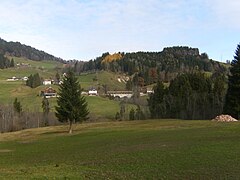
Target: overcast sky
x=84 y=29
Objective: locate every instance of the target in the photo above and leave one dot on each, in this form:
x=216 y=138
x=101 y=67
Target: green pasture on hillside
x=46 y=69
x=158 y=149
x=38 y=64
x=100 y=108
x=98 y=79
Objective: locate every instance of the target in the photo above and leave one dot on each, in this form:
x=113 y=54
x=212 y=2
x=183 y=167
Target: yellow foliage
x=112 y=57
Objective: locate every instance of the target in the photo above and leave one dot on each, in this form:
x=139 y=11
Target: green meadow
x=97 y=80
x=156 y=149
x=100 y=108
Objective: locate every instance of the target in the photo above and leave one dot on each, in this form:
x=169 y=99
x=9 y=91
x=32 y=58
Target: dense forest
x=150 y=66
x=20 y=50
x=189 y=96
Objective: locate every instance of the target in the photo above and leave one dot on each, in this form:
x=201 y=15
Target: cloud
x=225 y=12
x=84 y=29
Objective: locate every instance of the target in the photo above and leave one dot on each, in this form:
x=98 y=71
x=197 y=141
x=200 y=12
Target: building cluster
x=18 y=78
x=49 y=92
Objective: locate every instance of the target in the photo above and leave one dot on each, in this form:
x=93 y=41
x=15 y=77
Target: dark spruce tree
x=155 y=101
x=34 y=81
x=46 y=109
x=71 y=106
x=17 y=106
x=232 y=101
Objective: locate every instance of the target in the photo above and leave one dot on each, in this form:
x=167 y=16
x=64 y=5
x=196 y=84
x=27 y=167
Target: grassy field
x=157 y=149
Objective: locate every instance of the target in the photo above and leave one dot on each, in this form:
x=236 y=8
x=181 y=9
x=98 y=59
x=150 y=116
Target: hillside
x=31 y=101
x=150 y=66
x=16 y=49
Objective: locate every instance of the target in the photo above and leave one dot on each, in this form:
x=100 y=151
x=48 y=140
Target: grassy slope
x=31 y=101
x=160 y=149
x=104 y=77
x=27 y=96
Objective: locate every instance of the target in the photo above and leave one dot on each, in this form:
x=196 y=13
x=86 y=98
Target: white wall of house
x=47 y=82
x=92 y=92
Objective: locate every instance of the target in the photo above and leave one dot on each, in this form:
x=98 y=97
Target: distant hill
x=150 y=66
x=21 y=50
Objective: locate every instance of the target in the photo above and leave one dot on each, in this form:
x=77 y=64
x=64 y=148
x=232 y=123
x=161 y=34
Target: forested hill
x=152 y=65
x=20 y=50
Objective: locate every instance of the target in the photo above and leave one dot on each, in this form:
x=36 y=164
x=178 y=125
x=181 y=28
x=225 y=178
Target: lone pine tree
x=46 y=109
x=71 y=106
x=232 y=101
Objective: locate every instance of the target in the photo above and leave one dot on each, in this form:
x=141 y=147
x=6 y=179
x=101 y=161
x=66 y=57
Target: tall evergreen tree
x=34 y=81
x=232 y=102
x=71 y=106
x=46 y=109
x=17 y=106
x=155 y=101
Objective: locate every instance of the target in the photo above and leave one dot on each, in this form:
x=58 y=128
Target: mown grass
x=158 y=149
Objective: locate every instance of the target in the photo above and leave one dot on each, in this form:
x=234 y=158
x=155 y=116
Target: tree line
x=150 y=66
x=189 y=96
x=20 y=50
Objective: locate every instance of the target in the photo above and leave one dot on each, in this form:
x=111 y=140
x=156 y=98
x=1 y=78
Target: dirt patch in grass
x=5 y=150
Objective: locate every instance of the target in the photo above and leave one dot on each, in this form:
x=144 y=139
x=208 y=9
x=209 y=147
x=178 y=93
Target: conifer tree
x=155 y=100
x=232 y=101
x=17 y=106
x=34 y=81
x=71 y=106
x=46 y=109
